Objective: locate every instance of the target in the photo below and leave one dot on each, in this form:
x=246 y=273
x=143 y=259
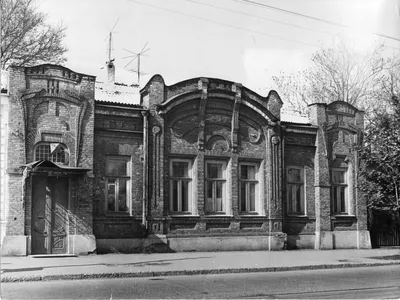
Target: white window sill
x=297 y=216
x=118 y=214
x=343 y=216
x=218 y=216
x=255 y=215
x=183 y=215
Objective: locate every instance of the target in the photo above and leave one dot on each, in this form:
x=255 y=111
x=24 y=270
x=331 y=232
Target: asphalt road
x=351 y=283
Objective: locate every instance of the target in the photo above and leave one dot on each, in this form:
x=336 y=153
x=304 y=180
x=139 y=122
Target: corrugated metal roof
x=109 y=103
x=117 y=93
x=292 y=117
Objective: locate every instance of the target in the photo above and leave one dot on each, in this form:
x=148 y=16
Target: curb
x=188 y=272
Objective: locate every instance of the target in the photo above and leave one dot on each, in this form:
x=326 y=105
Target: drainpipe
x=145 y=115
x=356 y=200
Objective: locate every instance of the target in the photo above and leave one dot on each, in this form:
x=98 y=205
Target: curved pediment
x=217 y=119
x=213 y=88
x=341 y=107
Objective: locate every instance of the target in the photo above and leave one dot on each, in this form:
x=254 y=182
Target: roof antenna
x=110 y=62
x=134 y=56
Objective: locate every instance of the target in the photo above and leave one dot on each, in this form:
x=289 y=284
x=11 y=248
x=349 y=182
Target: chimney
x=111 y=72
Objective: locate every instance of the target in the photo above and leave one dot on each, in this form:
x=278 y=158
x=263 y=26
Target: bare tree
x=389 y=85
x=26 y=39
x=336 y=73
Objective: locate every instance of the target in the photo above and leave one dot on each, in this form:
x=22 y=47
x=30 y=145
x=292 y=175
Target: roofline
x=212 y=79
x=117 y=104
x=55 y=66
x=308 y=125
x=337 y=101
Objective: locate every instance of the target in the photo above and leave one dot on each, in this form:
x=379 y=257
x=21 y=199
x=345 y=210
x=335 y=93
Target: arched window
x=55 y=152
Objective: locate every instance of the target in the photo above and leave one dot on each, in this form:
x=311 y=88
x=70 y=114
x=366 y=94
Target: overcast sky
x=229 y=39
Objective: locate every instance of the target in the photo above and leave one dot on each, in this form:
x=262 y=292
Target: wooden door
x=41 y=216
x=59 y=224
x=49 y=215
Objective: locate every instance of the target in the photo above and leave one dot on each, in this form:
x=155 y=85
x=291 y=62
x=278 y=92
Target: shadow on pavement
x=161 y=262
x=387 y=257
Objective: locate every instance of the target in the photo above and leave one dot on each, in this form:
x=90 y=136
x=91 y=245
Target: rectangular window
x=215 y=187
x=248 y=187
x=180 y=185
x=339 y=191
x=295 y=190
x=118 y=184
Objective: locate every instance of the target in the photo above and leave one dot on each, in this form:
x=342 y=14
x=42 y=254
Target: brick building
x=202 y=165
x=3 y=151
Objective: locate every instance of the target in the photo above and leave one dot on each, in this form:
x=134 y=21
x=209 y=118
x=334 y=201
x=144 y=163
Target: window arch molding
x=54 y=152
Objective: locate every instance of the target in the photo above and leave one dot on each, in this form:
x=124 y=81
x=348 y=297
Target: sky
x=235 y=40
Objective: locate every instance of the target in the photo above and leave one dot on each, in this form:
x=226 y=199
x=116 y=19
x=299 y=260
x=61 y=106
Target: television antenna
x=110 y=45
x=137 y=55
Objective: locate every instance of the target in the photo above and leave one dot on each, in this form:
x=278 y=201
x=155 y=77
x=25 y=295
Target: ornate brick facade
x=205 y=164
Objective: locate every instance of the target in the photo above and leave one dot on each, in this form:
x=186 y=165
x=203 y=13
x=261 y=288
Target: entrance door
x=49 y=215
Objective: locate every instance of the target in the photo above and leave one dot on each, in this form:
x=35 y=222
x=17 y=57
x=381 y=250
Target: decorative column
x=15 y=241
x=236 y=88
x=276 y=237
x=323 y=232
x=156 y=167
x=145 y=167
x=202 y=85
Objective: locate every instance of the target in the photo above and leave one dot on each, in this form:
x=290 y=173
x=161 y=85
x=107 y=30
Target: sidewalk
x=188 y=263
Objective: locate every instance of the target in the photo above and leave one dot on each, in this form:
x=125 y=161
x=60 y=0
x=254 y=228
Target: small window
x=248 y=187
x=295 y=190
x=180 y=185
x=54 y=152
x=215 y=187
x=118 y=184
x=339 y=191
x=53 y=86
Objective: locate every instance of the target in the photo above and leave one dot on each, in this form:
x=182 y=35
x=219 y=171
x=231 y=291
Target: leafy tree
x=381 y=162
x=337 y=73
x=26 y=38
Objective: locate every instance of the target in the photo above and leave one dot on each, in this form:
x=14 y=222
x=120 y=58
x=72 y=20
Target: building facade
x=202 y=165
x=4 y=113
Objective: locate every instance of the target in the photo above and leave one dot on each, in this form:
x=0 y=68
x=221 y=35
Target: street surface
x=348 y=283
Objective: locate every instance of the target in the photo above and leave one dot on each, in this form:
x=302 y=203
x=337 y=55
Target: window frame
x=118 y=178
x=256 y=180
x=49 y=155
x=188 y=179
x=336 y=186
x=303 y=199
x=224 y=181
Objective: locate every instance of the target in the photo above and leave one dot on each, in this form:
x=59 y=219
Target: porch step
x=52 y=255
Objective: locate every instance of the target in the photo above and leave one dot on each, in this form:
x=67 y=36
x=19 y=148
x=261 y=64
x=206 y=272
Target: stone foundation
x=15 y=245
x=127 y=245
x=231 y=243
x=351 y=239
x=164 y=244
x=81 y=244
x=302 y=241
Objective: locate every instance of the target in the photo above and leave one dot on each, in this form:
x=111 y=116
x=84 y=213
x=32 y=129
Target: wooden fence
x=385 y=238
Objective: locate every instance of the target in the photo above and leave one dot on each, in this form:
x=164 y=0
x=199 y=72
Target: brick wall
x=195 y=120
x=118 y=132
x=300 y=152
x=50 y=104
x=340 y=131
